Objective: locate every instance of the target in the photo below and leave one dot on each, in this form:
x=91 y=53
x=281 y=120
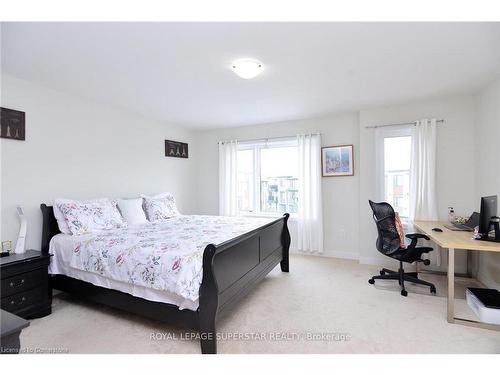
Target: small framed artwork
x=176 y=149
x=337 y=161
x=6 y=248
x=12 y=124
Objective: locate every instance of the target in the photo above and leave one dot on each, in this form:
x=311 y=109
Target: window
x=268 y=178
x=246 y=180
x=397 y=161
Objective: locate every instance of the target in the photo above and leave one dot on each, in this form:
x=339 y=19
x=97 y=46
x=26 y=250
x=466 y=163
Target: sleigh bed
x=229 y=271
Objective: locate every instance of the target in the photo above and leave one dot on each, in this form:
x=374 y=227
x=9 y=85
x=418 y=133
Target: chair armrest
x=416 y=236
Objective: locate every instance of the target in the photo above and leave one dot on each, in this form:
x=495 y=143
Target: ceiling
x=180 y=72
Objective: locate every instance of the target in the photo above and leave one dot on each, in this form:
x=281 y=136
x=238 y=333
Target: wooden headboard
x=49 y=226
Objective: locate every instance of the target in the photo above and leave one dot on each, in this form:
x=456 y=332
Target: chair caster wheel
x=371 y=281
x=433 y=290
x=382 y=272
x=427 y=262
x=404 y=293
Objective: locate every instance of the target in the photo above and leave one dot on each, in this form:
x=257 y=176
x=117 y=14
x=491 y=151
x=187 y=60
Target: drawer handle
x=12 y=283
x=20 y=302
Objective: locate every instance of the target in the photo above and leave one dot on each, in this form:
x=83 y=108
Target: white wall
x=488 y=168
x=340 y=194
x=349 y=230
x=455 y=161
x=79 y=149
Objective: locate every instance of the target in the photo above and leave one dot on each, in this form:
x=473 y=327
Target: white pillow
x=160 y=207
x=132 y=211
x=89 y=216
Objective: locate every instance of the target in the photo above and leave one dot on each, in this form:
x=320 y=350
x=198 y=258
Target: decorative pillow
x=132 y=211
x=88 y=216
x=401 y=232
x=160 y=207
x=61 y=222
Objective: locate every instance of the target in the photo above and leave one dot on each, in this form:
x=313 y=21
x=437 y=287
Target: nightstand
x=25 y=284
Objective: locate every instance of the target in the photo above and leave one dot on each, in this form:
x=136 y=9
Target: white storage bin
x=484 y=314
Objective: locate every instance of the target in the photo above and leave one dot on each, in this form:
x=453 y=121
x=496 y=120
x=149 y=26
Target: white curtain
x=228 y=199
x=423 y=205
x=310 y=213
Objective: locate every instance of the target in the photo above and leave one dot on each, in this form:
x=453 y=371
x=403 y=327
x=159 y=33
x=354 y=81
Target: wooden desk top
x=450 y=239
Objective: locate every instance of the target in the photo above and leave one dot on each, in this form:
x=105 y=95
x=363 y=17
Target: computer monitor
x=488 y=210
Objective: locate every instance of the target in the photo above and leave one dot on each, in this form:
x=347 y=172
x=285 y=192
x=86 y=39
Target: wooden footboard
x=230 y=271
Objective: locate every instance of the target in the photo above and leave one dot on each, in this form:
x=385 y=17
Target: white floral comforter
x=164 y=255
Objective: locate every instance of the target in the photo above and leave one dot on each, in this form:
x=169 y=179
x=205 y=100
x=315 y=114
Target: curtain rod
x=398 y=124
x=268 y=138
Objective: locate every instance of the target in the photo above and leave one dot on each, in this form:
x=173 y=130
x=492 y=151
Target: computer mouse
x=437 y=229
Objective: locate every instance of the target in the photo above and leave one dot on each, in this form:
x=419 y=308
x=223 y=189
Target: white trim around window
x=380 y=135
x=257 y=146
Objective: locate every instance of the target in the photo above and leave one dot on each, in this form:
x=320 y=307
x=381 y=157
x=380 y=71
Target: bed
x=221 y=260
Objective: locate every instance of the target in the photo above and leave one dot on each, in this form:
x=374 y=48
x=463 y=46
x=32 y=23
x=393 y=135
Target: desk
x=451 y=241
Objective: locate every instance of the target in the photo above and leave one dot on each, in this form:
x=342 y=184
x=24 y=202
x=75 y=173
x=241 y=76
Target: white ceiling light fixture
x=247 y=68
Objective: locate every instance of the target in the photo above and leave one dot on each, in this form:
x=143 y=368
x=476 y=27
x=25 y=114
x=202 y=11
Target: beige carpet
x=323 y=305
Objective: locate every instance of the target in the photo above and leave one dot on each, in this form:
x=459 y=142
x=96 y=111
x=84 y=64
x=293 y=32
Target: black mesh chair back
x=388 y=243
x=385 y=218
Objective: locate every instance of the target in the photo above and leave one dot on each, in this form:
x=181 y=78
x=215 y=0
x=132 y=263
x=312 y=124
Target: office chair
x=388 y=243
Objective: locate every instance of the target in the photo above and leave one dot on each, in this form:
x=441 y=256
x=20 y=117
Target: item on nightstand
x=485 y=303
x=20 y=249
x=6 y=248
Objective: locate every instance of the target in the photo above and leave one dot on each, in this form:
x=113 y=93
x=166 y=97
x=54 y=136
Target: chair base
x=402 y=276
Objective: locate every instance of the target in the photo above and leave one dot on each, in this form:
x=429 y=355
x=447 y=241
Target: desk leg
x=451 y=285
x=469 y=264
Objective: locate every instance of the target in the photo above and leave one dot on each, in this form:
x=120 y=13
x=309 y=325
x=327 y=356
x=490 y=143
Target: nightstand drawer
x=24 y=281
x=24 y=300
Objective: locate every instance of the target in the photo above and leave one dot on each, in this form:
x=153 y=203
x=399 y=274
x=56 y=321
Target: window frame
x=256 y=147
x=381 y=135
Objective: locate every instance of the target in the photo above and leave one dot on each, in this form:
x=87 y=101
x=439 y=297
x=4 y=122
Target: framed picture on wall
x=176 y=149
x=337 y=161
x=12 y=124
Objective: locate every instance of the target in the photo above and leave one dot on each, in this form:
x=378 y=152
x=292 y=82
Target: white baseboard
x=374 y=261
x=341 y=254
x=330 y=254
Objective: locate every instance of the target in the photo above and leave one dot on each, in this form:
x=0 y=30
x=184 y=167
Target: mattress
x=160 y=261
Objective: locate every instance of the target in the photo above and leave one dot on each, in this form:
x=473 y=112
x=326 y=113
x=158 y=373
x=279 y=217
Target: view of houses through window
x=268 y=178
x=397 y=160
